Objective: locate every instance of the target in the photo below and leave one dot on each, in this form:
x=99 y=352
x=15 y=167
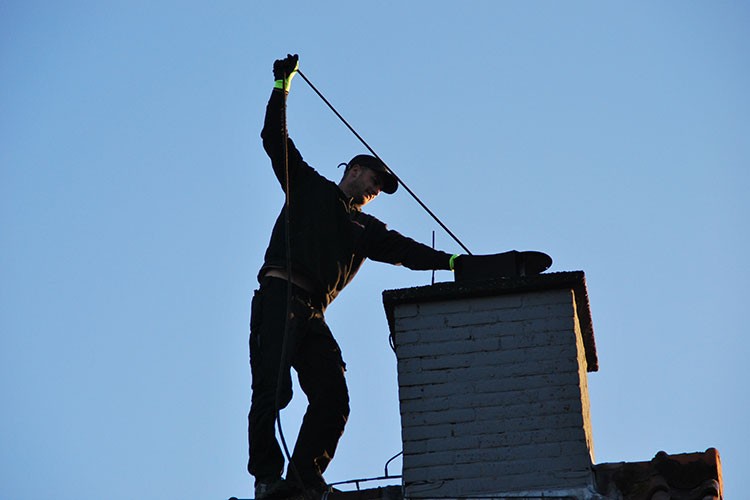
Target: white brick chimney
x=492 y=387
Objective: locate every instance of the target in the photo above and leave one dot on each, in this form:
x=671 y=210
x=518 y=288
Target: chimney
x=493 y=389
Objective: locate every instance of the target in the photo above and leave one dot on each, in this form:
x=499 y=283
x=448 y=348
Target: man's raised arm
x=273 y=133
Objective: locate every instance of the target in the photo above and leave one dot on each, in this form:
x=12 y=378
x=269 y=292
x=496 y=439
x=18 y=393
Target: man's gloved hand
x=284 y=70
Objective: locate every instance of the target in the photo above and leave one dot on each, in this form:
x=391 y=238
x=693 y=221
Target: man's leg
x=268 y=315
x=321 y=375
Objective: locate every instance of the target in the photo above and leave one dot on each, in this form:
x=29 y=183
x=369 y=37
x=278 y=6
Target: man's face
x=363 y=184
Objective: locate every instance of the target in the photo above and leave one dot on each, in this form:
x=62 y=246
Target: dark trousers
x=314 y=354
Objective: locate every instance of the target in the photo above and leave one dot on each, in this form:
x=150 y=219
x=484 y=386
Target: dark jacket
x=330 y=237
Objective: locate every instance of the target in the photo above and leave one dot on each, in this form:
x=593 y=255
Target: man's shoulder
x=369 y=222
x=364 y=217
x=314 y=178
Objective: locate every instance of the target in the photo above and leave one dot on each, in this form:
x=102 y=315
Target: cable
x=285 y=340
x=398 y=179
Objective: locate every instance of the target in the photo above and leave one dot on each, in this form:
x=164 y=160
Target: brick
x=538 y=339
x=537 y=368
x=479 y=400
x=504 y=364
x=511 y=301
x=548 y=297
x=536 y=466
x=466 y=374
x=503 y=315
x=429 y=404
x=449 y=347
x=451 y=387
x=538 y=353
x=463 y=488
x=405 y=393
x=416 y=380
x=421 y=323
x=425 y=378
x=522 y=410
x=527 y=382
x=531 y=481
x=549 y=311
x=509 y=454
x=499 y=329
x=444 y=443
x=409 y=365
x=473 y=318
x=434 y=459
x=487 y=374
x=445 y=307
x=505 y=439
x=415 y=376
x=480 y=387
x=424 y=432
x=440 y=362
x=531 y=423
x=429 y=335
x=417 y=477
x=522 y=313
x=437 y=417
x=575 y=447
x=564 y=436
x=549 y=324
x=405 y=338
x=411 y=392
x=405 y=311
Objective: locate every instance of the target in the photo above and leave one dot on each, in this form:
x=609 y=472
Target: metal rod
x=356 y=482
x=386 y=166
x=394 y=457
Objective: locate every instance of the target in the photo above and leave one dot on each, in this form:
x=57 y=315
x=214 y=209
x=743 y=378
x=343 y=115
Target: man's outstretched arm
x=389 y=246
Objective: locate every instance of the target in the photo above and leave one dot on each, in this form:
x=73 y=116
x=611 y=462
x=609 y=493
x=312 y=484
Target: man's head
x=365 y=177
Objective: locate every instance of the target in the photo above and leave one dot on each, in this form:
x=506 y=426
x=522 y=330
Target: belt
x=296 y=279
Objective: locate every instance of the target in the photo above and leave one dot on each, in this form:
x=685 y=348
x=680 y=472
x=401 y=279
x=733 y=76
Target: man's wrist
x=452 y=261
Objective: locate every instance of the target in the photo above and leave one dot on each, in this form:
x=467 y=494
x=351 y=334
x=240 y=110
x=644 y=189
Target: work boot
x=275 y=489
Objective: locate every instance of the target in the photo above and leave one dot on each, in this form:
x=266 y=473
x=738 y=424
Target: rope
x=285 y=341
x=398 y=179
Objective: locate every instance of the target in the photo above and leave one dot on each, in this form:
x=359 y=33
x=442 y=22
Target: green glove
x=284 y=70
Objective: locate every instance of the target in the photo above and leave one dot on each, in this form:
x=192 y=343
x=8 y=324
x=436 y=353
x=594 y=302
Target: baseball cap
x=390 y=184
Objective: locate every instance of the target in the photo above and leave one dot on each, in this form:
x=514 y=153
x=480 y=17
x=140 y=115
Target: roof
x=381 y=493
x=574 y=280
x=687 y=476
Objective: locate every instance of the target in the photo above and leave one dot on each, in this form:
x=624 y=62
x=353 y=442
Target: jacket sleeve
x=273 y=140
x=386 y=245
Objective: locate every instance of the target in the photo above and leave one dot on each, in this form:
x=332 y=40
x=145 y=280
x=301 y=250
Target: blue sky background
x=136 y=202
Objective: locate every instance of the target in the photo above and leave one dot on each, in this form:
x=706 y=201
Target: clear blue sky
x=136 y=203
